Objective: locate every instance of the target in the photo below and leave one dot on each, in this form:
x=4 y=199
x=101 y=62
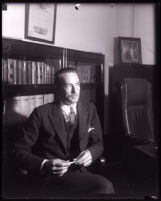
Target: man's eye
x=77 y=85
x=68 y=85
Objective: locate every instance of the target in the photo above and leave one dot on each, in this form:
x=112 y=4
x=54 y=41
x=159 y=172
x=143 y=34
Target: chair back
x=136 y=97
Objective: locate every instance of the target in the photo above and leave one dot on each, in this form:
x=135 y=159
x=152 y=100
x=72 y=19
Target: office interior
x=86 y=35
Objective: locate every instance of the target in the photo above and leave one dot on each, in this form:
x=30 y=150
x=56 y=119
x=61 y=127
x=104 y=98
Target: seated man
x=61 y=139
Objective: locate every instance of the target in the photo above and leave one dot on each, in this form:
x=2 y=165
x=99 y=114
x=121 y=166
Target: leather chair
x=137 y=109
x=137 y=117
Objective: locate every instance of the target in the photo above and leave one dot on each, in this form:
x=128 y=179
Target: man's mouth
x=74 y=96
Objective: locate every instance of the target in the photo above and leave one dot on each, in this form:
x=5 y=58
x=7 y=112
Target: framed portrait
x=40 y=22
x=129 y=50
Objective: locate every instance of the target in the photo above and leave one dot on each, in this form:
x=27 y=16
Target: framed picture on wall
x=40 y=22
x=129 y=50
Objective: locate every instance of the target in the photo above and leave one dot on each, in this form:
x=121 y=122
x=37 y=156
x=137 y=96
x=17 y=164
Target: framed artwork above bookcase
x=28 y=70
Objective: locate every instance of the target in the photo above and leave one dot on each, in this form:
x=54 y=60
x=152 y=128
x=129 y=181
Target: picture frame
x=40 y=19
x=129 y=50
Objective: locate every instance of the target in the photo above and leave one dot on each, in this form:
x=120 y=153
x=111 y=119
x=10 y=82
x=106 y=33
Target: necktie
x=72 y=116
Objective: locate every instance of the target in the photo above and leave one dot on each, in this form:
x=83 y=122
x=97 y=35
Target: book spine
x=45 y=98
x=10 y=71
x=31 y=103
x=60 y=63
x=17 y=72
x=38 y=73
x=51 y=97
x=56 y=64
x=20 y=71
x=4 y=68
x=45 y=73
x=33 y=81
x=52 y=74
x=29 y=72
x=24 y=107
x=24 y=72
x=48 y=98
x=14 y=71
x=38 y=100
x=41 y=72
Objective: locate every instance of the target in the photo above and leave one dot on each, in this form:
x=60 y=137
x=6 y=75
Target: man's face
x=69 y=90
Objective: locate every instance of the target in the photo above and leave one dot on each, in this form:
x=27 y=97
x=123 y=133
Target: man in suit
x=61 y=139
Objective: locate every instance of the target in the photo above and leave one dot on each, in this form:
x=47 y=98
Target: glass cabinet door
x=88 y=72
x=91 y=78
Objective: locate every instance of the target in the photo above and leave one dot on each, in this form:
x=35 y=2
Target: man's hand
x=56 y=166
x=84 y=158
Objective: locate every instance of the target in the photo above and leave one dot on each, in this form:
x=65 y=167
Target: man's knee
x=110 y=188
x=105 y=186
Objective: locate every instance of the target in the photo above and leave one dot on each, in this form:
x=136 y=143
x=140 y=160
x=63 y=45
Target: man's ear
x=56 y=90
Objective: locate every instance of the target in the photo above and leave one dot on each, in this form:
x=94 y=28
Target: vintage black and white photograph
x=76 y=125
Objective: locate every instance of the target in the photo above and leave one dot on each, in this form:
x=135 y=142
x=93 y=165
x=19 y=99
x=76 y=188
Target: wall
x=145 y=29
x=92 y=28
x=138 y=20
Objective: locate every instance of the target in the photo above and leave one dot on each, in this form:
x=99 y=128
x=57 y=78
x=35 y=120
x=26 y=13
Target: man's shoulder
x=48 y=107
x=88 y=105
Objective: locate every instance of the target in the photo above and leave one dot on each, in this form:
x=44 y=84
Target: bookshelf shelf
x=20 y=90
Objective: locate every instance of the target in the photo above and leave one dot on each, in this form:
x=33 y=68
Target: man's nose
x=73 y=89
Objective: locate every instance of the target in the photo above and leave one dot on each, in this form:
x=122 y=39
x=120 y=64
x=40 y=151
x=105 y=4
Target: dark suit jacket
x=43 y=135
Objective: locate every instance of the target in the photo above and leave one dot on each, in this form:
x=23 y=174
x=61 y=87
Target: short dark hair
x=62 y=71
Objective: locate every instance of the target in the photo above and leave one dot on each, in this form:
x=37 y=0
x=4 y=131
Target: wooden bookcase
x=90 y=66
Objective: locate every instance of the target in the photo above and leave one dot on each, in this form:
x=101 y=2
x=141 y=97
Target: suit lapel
x=57 y=120
x=82 y=123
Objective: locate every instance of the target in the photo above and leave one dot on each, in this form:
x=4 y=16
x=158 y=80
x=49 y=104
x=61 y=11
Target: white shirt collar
x=66 y=108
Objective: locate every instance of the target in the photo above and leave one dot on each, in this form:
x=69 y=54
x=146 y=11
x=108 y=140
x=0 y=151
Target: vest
x=72 y=140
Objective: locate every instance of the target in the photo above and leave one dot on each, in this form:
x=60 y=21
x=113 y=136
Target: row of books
x=17 y=71
x=18 y=108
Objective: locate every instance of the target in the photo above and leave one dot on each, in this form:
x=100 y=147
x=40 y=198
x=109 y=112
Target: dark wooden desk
x=148 y=149
x=143 y=169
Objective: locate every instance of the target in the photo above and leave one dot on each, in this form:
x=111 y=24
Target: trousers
x=77 y=183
